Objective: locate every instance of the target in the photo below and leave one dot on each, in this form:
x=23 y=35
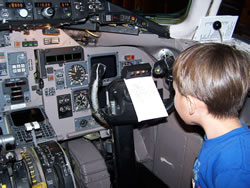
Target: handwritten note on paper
x=206 y=31
x=146 y=99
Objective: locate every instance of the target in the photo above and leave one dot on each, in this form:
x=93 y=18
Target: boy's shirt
x=224 y=161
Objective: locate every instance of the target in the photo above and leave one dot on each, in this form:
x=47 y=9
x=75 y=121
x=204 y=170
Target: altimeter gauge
x=81 y=101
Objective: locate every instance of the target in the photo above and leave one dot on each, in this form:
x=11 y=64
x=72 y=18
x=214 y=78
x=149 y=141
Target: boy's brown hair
x=216 y=74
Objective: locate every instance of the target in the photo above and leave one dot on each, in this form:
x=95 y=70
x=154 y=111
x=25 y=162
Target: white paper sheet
x=146 y=99
x=206 y=32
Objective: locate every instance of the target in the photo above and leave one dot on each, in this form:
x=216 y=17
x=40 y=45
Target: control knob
x=48 y=12
x=23 y=12
x=10 y=156
x=4 y=13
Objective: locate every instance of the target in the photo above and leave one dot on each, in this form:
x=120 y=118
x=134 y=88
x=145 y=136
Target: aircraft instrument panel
x=54 y=78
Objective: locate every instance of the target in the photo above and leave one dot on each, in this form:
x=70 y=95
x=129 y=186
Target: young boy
x=211 y=82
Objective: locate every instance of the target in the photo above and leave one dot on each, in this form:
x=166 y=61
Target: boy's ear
x=191 y=103
x=195 y=105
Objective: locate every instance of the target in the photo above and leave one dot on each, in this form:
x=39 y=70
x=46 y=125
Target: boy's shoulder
x=234 y=153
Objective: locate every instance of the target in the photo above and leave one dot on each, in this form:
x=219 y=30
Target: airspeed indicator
x=76 y=74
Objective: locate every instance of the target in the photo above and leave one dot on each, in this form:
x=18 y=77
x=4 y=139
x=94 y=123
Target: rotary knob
x=48 y=12
x=23 y=12
x=10 y=156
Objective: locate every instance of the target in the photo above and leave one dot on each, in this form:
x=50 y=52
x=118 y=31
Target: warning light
x=51 y=77
x=15 y=5
x=132 y=18
x=144 y=24
x=17 y=44
x=129 y=57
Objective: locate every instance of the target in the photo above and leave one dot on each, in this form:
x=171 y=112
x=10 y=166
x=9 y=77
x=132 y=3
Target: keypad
x=23 y=136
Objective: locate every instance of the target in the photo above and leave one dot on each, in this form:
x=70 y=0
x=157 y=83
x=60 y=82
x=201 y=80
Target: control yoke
x=98 y=71
x=163 y=69
x=119 y=109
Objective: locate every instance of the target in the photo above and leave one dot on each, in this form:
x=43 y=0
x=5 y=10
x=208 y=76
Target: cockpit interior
x=67 y=121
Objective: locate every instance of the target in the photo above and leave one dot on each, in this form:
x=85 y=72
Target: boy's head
x=216 y=74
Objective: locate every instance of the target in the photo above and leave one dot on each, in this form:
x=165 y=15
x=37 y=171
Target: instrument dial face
x=81 y=101
x=77 y=74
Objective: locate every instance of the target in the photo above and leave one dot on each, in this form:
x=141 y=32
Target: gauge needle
x=72 y=73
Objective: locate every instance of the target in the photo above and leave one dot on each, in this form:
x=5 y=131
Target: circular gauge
x=76 y=74
x=81 y=101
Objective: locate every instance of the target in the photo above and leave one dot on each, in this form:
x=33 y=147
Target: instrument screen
x=25 y=116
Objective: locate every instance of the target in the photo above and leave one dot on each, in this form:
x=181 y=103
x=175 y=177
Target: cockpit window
x=160 y=11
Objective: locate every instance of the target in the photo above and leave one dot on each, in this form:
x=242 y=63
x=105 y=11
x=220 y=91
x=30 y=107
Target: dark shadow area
x=239 y=8
x=146 y=179
x=155 y=7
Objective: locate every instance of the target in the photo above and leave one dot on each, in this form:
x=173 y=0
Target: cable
x=92 y=34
